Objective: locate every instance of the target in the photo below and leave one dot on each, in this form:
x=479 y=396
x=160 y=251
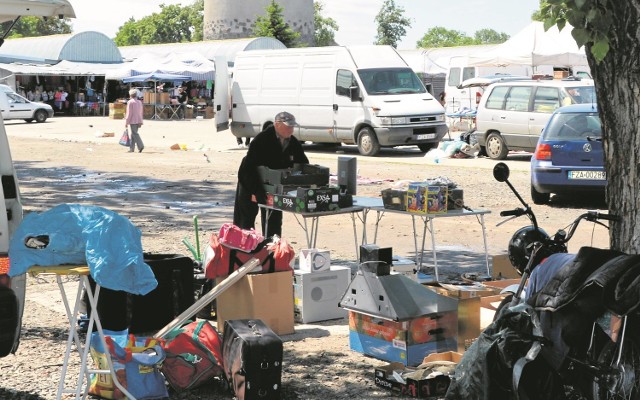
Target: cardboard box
x=417 y=198
x=436 y=199
x=314 y=260
x=393 y=199
x=431 y=380
x=209 y=113
x=502 y=268
x=164 y=98
x=316 y=295
x=391 y=376
x=406 y=342
x=268 y=297
x=560 y=74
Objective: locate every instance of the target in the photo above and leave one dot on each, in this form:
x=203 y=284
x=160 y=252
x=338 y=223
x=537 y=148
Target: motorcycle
x=567 y=330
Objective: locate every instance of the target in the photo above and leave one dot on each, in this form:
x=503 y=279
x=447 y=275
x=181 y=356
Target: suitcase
x=252 y=359
x=8 y=319
x=173 y=295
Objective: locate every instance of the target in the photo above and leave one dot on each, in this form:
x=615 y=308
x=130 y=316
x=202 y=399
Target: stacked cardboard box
x=117 y=110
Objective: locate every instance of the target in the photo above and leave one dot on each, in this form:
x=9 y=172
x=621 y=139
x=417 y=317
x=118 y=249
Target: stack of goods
x=303 y=188
x=117 y=110
x=431 y=196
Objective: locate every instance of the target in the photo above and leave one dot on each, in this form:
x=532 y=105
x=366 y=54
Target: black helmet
x=520 y=245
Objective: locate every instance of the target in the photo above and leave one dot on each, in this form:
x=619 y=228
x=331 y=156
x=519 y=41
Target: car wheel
x=29 y=120
x=40 y=116
x=496 y=148
x=539 y=198
x=425 y=147
x=368 y=144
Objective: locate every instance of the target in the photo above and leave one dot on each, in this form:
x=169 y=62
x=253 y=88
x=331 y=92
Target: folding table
x=82 y=386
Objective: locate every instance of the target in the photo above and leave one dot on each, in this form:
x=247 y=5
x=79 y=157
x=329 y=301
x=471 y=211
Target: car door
x=515 y=116
x=545 y=101
x=19 y=107
x=345 y=111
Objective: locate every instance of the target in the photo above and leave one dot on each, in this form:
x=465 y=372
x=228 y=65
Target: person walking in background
x=134 y=119
x=183 y=99
x=276 y=148
x=246 y=141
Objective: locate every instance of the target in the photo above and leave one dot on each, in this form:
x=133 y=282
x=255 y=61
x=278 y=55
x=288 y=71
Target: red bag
x=238 y=238
x=221 y=261
x=194 y=355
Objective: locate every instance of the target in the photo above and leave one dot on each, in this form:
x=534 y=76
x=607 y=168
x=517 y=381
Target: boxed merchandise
x=455 y=199
x=406 y=342
x=436 y=199
x=314 y=260
x=417 y=198
x=299 y=175
x=164 y=98
x=268 y=297
x=394 y=199
x=432 y=378
x=320 y=199
x=391 y=376
x=316 y=295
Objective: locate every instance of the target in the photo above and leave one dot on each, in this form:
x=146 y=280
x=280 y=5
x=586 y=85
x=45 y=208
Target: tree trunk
x=617 y=80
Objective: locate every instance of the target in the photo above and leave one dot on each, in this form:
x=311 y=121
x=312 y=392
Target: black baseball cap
x=286 y=118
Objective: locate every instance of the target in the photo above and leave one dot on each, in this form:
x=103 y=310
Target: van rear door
x=221 y=94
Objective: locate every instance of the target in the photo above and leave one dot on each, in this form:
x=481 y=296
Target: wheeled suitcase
x=252 y=359
x=170 y=298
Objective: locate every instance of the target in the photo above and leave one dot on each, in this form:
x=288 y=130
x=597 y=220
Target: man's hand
x=253 y=198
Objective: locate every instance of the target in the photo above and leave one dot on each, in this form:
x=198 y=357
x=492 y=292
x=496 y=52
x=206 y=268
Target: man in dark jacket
x=275 y=148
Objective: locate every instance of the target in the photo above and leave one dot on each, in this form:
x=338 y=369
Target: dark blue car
x=569 y=156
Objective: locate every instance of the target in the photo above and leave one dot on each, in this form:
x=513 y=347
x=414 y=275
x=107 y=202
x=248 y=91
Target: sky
x=355 y=18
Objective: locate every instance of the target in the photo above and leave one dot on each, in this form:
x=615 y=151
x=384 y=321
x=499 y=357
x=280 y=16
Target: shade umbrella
x=155 y=77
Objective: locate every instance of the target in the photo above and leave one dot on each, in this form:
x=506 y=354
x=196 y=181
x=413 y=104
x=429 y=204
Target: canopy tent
x=534 y=47
x=156 y=76
x=192 y=65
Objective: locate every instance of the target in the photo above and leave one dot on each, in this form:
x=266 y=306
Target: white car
x=14 y=106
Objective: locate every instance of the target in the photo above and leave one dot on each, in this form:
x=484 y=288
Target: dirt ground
x=160 y=190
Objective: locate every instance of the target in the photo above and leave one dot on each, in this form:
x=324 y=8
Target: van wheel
x=539 y=198
x=368 y=142
x=40 y=116
x=29 y=120
x=496 y=147
x=425 y=147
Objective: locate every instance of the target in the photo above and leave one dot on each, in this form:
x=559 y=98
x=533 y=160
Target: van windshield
x=383 y=81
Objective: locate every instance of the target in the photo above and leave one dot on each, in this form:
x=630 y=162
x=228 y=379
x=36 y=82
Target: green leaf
x=600 y=49
x=581 y=36
x=561 y=24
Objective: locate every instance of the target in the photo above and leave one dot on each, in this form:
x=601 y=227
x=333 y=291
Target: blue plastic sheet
x=105 y=241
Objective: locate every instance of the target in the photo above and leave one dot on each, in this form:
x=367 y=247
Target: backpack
x=193 y=355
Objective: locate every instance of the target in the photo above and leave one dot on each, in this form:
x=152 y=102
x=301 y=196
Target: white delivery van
x=10 y=204
x=14 y=106
x=364 y=95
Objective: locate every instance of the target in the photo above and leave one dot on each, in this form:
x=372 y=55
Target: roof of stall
x=193 y=65
x=209 y=48
x=89 y=46
x=69 y=68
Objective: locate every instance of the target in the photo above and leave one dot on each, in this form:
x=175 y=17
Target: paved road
x=201 y=134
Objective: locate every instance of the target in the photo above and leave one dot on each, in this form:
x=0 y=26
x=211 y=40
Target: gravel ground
x=161 y=190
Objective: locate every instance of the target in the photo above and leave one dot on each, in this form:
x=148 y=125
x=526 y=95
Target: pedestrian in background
x=134 y=120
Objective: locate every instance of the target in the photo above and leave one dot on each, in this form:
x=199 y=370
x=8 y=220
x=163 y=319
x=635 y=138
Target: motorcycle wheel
x=625 y=383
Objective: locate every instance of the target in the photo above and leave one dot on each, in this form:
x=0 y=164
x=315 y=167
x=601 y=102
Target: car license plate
x=592 y=175
x=426 y=136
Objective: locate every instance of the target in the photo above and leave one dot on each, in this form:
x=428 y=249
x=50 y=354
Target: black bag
x=8 y=319
x=172 y=296
x=252 y=358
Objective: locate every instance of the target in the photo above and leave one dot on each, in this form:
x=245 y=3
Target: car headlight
x=393 y=120
x=440 y=117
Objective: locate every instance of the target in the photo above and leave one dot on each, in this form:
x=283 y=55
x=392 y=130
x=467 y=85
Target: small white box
x=316 y=295
x=314 y=260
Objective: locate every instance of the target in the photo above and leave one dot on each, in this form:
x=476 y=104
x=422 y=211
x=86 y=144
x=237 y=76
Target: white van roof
x=10 y=9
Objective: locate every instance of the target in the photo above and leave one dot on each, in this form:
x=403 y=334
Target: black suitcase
x=252 y=359
x=8 y=319
x=173 y=295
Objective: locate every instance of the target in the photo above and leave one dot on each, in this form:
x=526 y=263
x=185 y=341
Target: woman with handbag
x=134 y=119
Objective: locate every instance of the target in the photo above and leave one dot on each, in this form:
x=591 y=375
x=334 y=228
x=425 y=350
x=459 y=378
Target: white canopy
x=435 y=61
x=192 y=64
x=534 y=47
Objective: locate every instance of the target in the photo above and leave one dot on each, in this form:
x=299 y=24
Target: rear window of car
x=518 y=98
x=546 y=99
x=580 y=95
x=573 y=126
x=495 y=100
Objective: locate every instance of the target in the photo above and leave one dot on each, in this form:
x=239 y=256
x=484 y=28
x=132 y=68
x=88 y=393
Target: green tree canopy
x=324 y=27
x=442 y=37
x=273 y=25
x=173 y=24
x=392 y=24
x=36 y=26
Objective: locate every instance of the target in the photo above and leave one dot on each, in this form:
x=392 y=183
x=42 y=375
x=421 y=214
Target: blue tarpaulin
x=75 y=234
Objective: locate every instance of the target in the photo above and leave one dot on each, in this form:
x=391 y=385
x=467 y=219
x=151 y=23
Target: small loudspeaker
x=347 y=175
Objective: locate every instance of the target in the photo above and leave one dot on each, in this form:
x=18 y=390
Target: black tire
x=29 y=120
x=368 y=144
x=495 y=147
x=425 y=147
x=40 y=116
x=539 y=198
x=625 y=384
x=503 y=304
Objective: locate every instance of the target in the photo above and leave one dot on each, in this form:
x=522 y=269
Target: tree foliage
x=36 y=26
x=442 y=37
x=274 y=25
x=173 y=24
x=324 y=27
x=392 y=24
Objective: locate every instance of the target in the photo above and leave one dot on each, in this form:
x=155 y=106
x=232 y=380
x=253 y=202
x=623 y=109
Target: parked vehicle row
x=14 y=106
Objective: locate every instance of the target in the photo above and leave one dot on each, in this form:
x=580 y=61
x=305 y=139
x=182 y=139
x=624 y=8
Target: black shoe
x=140 y=151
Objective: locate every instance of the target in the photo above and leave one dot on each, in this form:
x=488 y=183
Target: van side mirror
x=354 y=93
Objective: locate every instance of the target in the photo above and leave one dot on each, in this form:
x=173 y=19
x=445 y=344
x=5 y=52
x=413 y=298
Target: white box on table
x=314 y=260
x=316 y=295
